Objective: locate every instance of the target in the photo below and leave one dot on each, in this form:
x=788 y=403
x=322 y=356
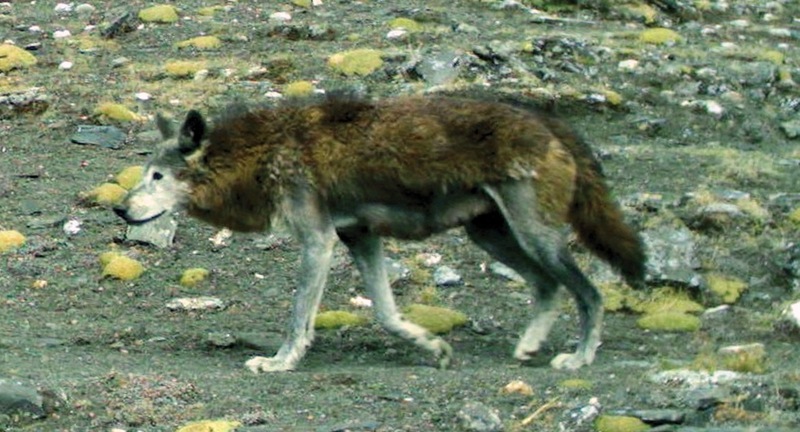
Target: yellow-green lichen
x=123 y=268
x=659 y=36
x=302 y=3
x=12 y=57
x=210 y=10
x=299 y=89
x=115 y=111
x=356 y=62
x=107 y=257
x=794 y=216
x=669 y=321
x=183 y=68
x=667 y=300
x=159 y=14
x=336 y=319
x=435 y=319
x=405 y=23
x=129 y=176
x=107 y=194
x=210 y=426
x=576 y=384
x=193 y=276
x=201 y=42
x=728 y=289
x=772 y=56
x=10 y=239
x=609 y=423
x=613 y=98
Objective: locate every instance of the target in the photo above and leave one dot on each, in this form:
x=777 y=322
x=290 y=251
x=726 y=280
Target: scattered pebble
x=476 y=416
x=65 y=65
x=61 y=34
x=281 y=16
x=446 y=276
x=195 y=303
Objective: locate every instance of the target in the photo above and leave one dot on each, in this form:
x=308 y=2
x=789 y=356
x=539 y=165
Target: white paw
x=569 y=361
x=524 y=353
x=268 y=364
x=443 y=352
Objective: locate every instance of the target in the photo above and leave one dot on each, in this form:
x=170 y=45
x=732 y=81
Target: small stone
x=477 y=417
x=396 y=34
x=221 y=340
x=628 y=65
x=65 y=65
x=159 y=232
x=61 y=34
x=281 y=16
x=84 y=9
x=517 y=387
x=195 y=303
x=63 y=8
x=446 y=276
x=505 y=271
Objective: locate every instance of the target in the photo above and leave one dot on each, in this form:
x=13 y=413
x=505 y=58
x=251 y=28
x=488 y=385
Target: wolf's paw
x=569 y=361
x=268 y=364
x=524 y=353
x=443 y=352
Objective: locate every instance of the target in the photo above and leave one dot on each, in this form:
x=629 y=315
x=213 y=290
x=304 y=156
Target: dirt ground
x=109 y=354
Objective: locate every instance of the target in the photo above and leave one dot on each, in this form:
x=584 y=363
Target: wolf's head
x=162 y=190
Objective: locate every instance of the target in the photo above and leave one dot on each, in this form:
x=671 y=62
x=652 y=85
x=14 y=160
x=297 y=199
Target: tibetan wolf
x=409 y=167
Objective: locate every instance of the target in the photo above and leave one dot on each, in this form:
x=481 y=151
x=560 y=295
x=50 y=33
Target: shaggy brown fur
x=407 y=168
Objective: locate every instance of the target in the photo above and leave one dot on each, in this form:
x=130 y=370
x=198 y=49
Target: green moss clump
x=608 y=423
x=356 y=62
x=183 y=68
x=669 y=321
x=645 y=12
x=405 y=23
x=210 y=426
x=116 y=112
x=794 y=216
x=337 y=319
x=12 y=57
x=436 y=319
x=193 y=276
x=123 y=268
x=302 y=3
x=576 y=384
x=159 y=14
x=130 y=176
x=727 y=288
x=106 y=257
x=613 y=98
x=107 y=194
x=772 y=56
x=667 y=300
x=659 y=36
x=209 y=10
x=299 y=89
x=10 y=239
x=201 y=42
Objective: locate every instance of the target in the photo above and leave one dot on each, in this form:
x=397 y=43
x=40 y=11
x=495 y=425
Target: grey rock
x=581 y=419
x=654 y=416
x=195 y=303
x=396 y=270
x=159 y=232
x=103 y=136
x=446 y=276
x=791 y=129
x=19 y=399
x=671 y=256
x=441 y=69
x=477 y=417
x=221 y=340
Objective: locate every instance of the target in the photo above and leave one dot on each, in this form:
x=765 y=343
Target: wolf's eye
x=157 y=176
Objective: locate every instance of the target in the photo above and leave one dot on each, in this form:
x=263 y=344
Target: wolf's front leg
x=317 y=237
x=367 y=253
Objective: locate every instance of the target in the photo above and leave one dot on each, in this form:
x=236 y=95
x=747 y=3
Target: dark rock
x=104 y=136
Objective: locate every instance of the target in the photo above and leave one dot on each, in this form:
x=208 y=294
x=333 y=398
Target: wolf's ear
x=192 y=132
x=165 y=126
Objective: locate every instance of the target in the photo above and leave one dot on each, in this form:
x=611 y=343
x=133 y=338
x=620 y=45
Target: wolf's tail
x=596 y=218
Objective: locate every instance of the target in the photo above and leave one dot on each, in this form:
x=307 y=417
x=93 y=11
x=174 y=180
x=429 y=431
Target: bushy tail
x=596 y=218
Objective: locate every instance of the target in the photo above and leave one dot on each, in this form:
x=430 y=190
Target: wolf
x=516 y=179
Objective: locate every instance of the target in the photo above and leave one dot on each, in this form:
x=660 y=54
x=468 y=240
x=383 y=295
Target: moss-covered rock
x=299 y=89
x=669 y=321
x=405 y=23
x=608 y=423
x=107 y=194
x=159 y=14
x=660 y=36
x=667 y=299
x=210 y=426
x=10 y=239
x=436 y=319
x=193 y=276
x=359 y=62
x=337 y=319
x=123 y=268
x=201 y=42
x=183 y=68
x=117 y=112
x=728 y=289
x=129 y=176
x=13 y=57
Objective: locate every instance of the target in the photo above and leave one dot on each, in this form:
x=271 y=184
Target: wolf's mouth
x=121 y=212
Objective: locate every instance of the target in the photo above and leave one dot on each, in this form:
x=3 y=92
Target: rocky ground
x=692 y=106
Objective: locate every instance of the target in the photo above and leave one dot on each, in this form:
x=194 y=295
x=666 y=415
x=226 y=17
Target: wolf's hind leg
x=491 y=233
x=545 y=245
x=367 y=252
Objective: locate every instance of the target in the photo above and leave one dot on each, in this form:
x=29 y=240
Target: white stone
x=61 y=34
x=63 y=8
x=281 y=16
x=72 y=227
x=143 y=96
x=65 y=65
x=396 y=34
x=628 y=65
